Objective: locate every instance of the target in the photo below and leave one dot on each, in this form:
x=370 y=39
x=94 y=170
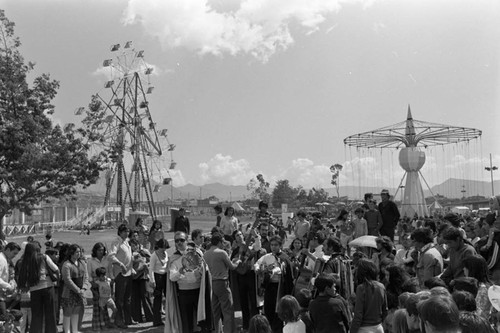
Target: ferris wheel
x=120 y=125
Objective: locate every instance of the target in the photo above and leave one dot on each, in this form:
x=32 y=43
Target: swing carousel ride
x=410 y=137
x=139 y=156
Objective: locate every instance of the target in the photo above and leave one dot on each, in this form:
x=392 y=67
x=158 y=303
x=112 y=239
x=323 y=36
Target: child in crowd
x=360 y=225
x=288 y=311
x=346 y=229
x=304 y=297
x=104 y=284
x=328 y=311
x=259 y=324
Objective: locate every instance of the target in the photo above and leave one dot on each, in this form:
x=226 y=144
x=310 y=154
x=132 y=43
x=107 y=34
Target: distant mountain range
x=451 y=188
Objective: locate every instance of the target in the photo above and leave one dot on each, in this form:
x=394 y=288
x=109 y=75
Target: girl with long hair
x=74 y=275
x=155 y=234
x=371 y=300
x=34 y=276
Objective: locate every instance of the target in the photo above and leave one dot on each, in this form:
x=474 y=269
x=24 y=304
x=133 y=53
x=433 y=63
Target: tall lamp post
x=491 y=168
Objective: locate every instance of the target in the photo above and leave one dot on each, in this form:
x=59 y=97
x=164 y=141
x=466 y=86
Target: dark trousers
x=159 y=292
x=248 y=296
x=188 y=306
x=141 y=301
x=42 y=310
x=3 y=307
x=123 y=292
x=387 y=231
x=270 y=296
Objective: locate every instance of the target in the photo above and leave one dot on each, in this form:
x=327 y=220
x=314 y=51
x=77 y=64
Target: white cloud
x=225 y=170
x=256 y=27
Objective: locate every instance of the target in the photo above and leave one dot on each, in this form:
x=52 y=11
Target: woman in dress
x=74 y=275
x=100 y=318
x=155 y=234
x=294 y=253
x=34 y=276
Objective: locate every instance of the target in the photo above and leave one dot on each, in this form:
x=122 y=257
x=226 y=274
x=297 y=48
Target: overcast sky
x=274 y=86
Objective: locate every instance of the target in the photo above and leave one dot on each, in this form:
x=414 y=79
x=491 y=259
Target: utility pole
x=491 y=168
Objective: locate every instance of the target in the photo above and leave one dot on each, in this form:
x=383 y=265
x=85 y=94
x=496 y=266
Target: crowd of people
x=439 y=274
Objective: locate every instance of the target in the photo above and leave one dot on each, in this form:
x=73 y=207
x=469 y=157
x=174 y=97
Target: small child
x=288 y=311
x=104 y=284
x=304 y=297
x=259 y=324
x=360 y=225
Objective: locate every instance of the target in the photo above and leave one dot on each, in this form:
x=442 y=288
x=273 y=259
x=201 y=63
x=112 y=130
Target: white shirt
x=158 y=266
x=295 y=327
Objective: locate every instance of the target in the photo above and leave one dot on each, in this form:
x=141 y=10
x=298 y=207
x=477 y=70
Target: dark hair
x=477 y=267
x=431 y=225
x=218 y=208
x=453 y=218
x=434 y=282
x=96 y=248
x=259 y=324
x=323 y=281
x=464 y=300
x=385 y=242
x=359 y=210
x=132 y=232
x=263 y=204
x=293 y=241
x=441 y=312
x=288 y=309
x=121 y=228
x=402 y=298
x=195 y=233
x=301 y=213
x=155 y=222
x=412 y=285
x=161 y=243
x=334 y=243
x=133 y=242
x=101 y=271
x=319 y=236
x=216 y=230
x=304 y=297
x=469 y=284
x=366 y=271
x=12 y=246
x=276 y=238
x=342 y=213
x=423 y=235
x=216 y=238
x=182 y=209
x=397 y=277
x=71 y=250
x=139 y=219
x=228 y=208
x=452 y=234
x=471 y=322
x=29 y=271
x=51 y=251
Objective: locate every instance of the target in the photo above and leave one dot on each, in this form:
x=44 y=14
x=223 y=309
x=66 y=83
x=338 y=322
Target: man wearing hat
x=390 y=215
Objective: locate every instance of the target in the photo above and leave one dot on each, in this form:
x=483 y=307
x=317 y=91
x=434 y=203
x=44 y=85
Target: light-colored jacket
x=430 y=263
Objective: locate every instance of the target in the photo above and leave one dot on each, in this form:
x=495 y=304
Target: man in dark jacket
x=328 y=311
x=182 y=222
x=390 y=215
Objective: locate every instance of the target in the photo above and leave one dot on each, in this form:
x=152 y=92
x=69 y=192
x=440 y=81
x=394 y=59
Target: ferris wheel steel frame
x=409 y=137
x=123 y=131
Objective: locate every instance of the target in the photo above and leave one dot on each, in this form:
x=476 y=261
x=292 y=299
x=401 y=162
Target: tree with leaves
x=39 y=161
x=283 y=193
x=317 y=195
x=335 y=170
x=258 y=188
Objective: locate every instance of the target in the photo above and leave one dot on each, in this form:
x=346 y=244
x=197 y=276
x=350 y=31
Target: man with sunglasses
x=186 y=287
